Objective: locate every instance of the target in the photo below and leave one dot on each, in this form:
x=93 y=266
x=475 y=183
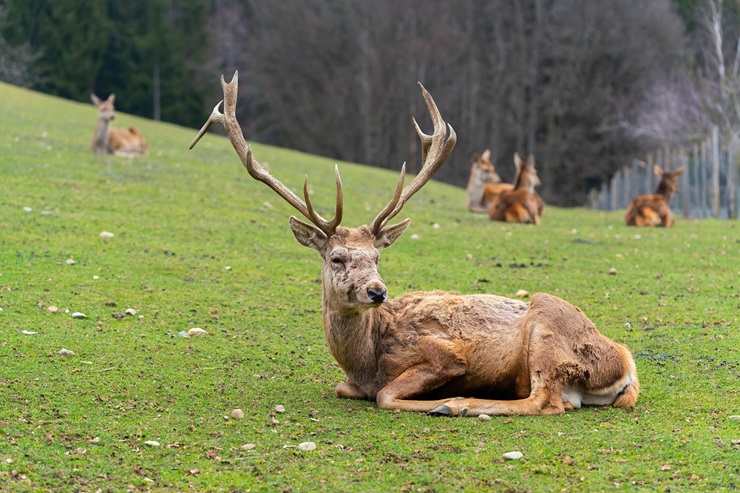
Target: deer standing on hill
x=521 y=204
x=654 y=209
x=119 y=141
x=421 y=351
x=483 y=183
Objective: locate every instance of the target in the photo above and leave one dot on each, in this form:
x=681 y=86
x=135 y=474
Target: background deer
x=522 y=204
x=654 y=209
x=422 y=350
x=483 y=183
x=119 y=141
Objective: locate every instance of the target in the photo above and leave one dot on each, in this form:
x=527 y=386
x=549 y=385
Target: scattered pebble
x=78 y=315
x=236 y=414
x=228 y=267
x=514 y=455
x=469 y=256
x=151 y=443
x=52 y=309
x=197 y=331
x=27 y=209
x=279 y=408
x=484 y=417
x=194 y=472
x=70 y=261
x=568 y=460
x=248 y=446
x=95 y=278
x=130 y=312
x=106 y=235
x=522 y=293
x=665 y=467
x=436 y=226
x=414 y=236
x=94 y=440
x=612 y=271
x=66 y=352
x=307 y=446
x=637 y=237
x=734 y=417
x=28 y=332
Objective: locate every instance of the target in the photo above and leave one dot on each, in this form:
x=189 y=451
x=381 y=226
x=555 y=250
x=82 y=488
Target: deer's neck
x=352 y=336
x=664 y=191
x=100 y=137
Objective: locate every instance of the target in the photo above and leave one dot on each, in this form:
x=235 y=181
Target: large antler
x=435 y=149
x=256 y=170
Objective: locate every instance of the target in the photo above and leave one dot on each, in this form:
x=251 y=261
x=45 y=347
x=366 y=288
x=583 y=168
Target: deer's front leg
x=346 y=390
x=417 y=380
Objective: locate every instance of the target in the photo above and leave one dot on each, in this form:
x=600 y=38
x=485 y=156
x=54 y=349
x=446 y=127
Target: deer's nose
x=377 y=295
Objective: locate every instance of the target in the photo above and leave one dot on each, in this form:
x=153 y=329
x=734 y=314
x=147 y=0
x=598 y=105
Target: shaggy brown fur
x=484 y=183
x=522 y=204
x=424 y=350
x=120 y=141
x=654 y=209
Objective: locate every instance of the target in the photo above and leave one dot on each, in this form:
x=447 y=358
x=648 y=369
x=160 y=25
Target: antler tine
x=435 y=149
x=255 y=169
x=377 y=224
x=322 y=223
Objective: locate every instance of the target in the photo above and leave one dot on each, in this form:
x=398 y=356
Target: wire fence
x=707 y=188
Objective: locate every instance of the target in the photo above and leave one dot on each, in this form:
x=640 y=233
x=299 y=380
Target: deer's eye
x=337 y=260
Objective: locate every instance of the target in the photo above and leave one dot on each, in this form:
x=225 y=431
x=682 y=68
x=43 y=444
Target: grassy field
x=198 y=244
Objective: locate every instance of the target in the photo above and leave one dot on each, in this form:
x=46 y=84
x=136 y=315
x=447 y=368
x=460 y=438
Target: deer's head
x=668 y=179
x=106 y=108
x=350 y=255
x=526 y=173
x=483 y=169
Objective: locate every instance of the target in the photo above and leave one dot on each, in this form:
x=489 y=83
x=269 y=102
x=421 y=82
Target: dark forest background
x=585 y=85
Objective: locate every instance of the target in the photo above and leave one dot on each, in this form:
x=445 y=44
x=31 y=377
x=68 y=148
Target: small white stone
x=236 y=414
x=130 y=312
x=95 y=278
x=106 y=235
x=70 y=261
x=307 y=446
x=248 y=446
x=514 y=455
x=279 y=408
x=66 y=352
x=436 y=226
x=484 y=417
x=612 y=271
x=78 y=315
x=28 y=332
x=228 y=267
x=27 y=209
x=414 y=236
x=151 y=443
x=197 y=331
x=637 y=237
x=52 y=309
x=522 y=293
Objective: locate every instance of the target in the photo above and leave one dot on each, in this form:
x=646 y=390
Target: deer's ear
x=679 y=171
x=112 y=98
x=657 y=170
x=486 y=156
x=95 y=100
x=390 y=234
x=308 y=235
x=517 y=161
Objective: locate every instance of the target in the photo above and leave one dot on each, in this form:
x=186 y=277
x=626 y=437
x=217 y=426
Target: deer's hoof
x=443 y=410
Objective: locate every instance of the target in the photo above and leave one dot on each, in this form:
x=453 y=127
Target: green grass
x=180 y=218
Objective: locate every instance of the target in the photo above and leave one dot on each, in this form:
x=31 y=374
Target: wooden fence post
x=684 y=188
x=714 y=194
x=731 y=180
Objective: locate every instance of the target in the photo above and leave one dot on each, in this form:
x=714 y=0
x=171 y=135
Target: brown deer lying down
x=483 y=183
x=422 y=350
x=522 y=204
x=119 y=141
x=654 y=210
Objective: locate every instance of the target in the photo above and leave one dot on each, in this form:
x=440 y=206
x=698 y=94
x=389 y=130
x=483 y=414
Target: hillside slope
x=199 y=244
